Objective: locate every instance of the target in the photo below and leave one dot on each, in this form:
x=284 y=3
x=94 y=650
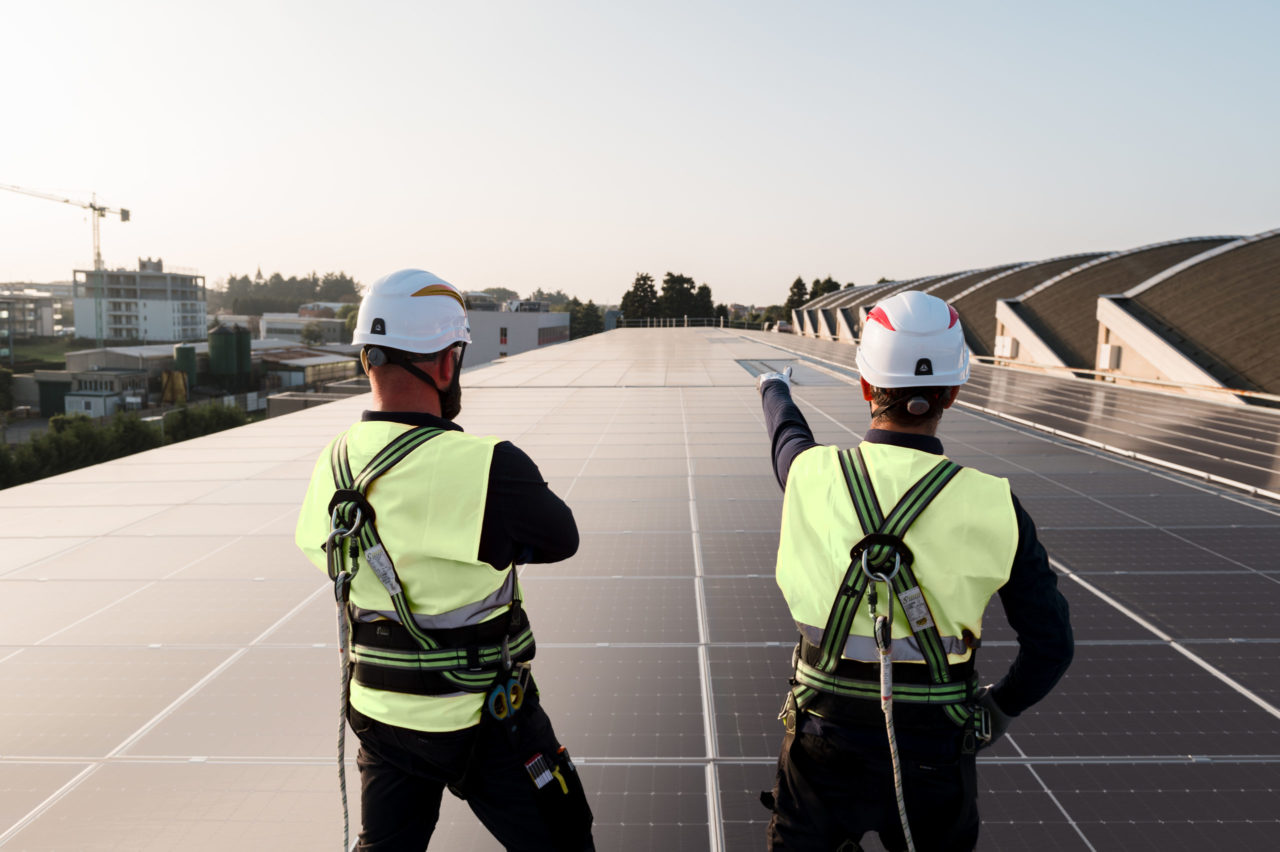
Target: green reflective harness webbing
x=879 y=548
x=458 y=666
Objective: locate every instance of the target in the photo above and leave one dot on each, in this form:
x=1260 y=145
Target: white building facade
x=497 y=334
x=145 y=305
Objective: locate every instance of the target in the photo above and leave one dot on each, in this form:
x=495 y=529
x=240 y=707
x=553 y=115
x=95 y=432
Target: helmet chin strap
x=375 y=356
x=917 y=405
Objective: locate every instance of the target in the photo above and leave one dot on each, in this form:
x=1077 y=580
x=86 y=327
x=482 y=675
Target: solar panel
x=168 y=665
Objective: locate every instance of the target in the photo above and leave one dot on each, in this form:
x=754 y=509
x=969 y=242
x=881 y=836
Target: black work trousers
x=835 y=785
x=403 y=774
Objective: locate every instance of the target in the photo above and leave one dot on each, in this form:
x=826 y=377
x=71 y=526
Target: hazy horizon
x=569 y=146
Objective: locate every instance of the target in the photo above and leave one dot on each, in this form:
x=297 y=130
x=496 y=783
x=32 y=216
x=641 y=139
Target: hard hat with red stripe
x=414 y=311
x=913 y=340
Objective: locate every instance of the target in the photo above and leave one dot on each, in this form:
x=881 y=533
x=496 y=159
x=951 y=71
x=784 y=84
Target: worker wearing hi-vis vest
x=887 y=558
x=421 y=526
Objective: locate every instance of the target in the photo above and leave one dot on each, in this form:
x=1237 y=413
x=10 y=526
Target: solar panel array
x=168 y=666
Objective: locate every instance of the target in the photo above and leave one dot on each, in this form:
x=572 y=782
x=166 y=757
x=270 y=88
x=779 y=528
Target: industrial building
x=229 y=361
x=27 y=312
x=169 y=658
x=282 y=326
x=1136 y=315
x=101 y=393
x=147 y=304
x=503 y=329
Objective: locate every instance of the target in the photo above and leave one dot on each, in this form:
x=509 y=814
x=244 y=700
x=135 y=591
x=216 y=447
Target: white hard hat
x=913 y=340
x=414 y=311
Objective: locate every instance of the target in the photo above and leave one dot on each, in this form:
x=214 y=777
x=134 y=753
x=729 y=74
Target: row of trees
x=802 y=293
x=681 y=297
x=75 y=441
x=245 y=295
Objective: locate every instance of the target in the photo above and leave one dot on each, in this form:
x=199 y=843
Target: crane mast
x=96 y=211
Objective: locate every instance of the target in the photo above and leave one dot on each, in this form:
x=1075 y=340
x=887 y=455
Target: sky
x=570 y=145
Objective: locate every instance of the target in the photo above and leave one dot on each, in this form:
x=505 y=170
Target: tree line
x=801 y=293
x=681 y=297
x=75 y=441
x=256 y=296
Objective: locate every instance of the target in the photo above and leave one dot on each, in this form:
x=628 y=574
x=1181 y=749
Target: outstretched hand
x=764 y=378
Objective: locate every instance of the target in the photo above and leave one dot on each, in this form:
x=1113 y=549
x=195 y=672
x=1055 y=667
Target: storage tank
x=184 y=360
x=222 y=356
x=244 y=353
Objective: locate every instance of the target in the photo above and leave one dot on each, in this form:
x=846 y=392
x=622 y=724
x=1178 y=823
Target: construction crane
x=96 y=211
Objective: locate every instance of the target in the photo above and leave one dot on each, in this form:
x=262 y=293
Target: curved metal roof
x=977 y=304
x=1063 y=309
x=1220 y=308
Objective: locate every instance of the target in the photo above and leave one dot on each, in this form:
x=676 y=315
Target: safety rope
x=341 y=591
x=883 y=630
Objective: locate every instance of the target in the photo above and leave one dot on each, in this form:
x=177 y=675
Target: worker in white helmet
x=887 y=557
x=421 y=526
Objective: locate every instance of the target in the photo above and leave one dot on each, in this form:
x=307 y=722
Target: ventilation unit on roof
x=1006 y=346
x=1109 y=357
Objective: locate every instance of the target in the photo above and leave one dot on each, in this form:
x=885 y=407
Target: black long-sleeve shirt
x=524 y=520
x=1035 y=608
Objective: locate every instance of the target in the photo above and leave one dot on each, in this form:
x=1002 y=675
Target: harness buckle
x=788 y=713
x=982 y=724
x=344 y=498
x=473 y=658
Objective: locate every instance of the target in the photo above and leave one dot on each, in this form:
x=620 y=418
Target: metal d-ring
x=897 y=563
x=338 y=532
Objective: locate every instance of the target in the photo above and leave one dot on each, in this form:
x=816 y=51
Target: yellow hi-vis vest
x=430 y=508
x=963 y=545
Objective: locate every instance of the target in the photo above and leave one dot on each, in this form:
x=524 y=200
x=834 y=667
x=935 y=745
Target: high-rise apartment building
x=146 y=304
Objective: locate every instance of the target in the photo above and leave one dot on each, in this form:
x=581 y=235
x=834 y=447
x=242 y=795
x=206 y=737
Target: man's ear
x=866 y=389
x=950 y=397
x=445 y=366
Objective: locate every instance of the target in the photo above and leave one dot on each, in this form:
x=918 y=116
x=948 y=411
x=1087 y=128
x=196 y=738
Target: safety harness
x=882 y=556
x=401 y=656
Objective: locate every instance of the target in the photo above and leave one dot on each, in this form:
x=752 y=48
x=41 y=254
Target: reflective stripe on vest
x=494 y=604
x=906 y=649
x=963 y=546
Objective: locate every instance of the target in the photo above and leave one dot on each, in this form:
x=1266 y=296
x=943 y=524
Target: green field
x=48 y=349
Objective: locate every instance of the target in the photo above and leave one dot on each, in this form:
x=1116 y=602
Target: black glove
x=998 y=718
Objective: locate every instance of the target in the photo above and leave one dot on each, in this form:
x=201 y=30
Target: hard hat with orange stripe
x=413 y=311
x=913 y=340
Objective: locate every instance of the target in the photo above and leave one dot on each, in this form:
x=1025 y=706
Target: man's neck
x=398 y=399
x=929 y=429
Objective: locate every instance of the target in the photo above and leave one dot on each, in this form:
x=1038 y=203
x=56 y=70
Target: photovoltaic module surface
x=168 y=660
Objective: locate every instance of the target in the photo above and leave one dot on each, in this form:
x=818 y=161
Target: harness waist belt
x=385 y=656
x=947 y=692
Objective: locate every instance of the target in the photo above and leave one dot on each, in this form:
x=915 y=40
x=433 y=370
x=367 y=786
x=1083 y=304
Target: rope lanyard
x=338 y=536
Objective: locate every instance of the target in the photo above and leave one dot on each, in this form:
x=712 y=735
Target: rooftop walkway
x=168 y=665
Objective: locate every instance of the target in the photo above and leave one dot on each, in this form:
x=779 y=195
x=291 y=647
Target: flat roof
x=169 y=665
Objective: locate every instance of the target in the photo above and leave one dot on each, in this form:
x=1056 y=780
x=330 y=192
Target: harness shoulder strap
x=352 y=492
x=882 y=541
x=458 y=669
